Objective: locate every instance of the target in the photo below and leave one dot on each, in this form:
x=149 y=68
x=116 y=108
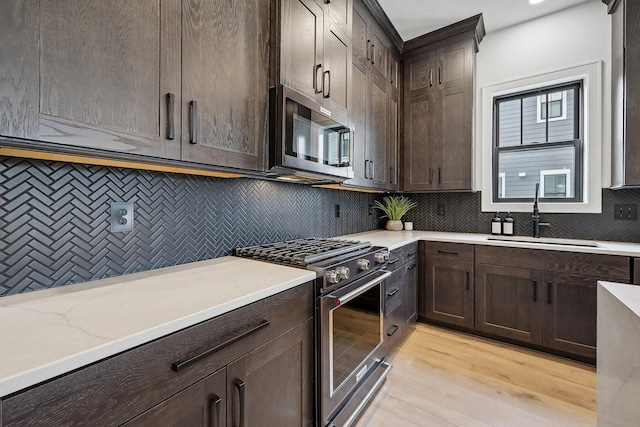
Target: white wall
x=565 y=39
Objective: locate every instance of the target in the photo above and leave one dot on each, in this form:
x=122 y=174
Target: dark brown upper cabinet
x=374 y=111
x=438 y=108
x=316 y=51
x=625 y=70
x=225 y=82
x=171 y=79
x=93 y=75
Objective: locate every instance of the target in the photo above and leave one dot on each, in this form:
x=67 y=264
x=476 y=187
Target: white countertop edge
x=29 y=378
x=396 y=239
x=629 y=295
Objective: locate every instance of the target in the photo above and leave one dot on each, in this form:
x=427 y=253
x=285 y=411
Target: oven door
x=350 y=340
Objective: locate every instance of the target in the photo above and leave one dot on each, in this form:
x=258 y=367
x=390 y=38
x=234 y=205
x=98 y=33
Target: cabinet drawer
x=452 y=251
x=394 y=328
x=393 y=295
x=396 y=259
x=611 y=267
x=116 y=389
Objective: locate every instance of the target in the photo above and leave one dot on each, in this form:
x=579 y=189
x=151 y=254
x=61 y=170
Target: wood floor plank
x=446 y=378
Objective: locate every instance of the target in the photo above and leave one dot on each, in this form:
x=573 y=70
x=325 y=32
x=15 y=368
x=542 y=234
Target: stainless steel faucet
x=536 y=216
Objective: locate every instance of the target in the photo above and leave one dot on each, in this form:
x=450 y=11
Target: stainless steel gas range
x=350 y=354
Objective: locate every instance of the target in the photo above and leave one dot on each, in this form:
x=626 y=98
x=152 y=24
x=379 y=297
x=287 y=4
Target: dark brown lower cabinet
x=257 y=360
x=448 y=291
x=394 y=324
x=570 y=305
x=410 y=294
x=202 y=404
x=270 y=386
x=508 y=302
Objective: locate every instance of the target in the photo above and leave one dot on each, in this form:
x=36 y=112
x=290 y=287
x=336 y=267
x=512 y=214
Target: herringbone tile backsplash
x=54 y=219
x=55 y=230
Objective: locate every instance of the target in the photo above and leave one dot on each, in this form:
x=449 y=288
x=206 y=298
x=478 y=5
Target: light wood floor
x=446 y=378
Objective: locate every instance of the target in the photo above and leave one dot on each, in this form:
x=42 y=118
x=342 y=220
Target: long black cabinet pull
x=392 y=292
x=239 y=386
x=373 y=52
x=368 y=55
x=440 y=251
x=392 y=330
x=535 y=290
x=171 y=125
x=549 y=291
x=373 y=169
x=411 y=267
x=439 y=175
x=178 y=366
x=393 y=261
x=439 y=75
x=318 y=88
x=468 y=284
x=326 y=74
x=411 y=253
x=214 y=408
x=193 y=122
x=391 y=74
x=431 y=77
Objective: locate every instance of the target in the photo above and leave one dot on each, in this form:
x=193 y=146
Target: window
x=538 y=139
x=555 y=183
x=555 y=103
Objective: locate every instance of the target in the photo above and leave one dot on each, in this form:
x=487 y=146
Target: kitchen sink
x=546 y=241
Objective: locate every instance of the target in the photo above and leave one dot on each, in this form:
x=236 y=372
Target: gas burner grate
x=301 y=252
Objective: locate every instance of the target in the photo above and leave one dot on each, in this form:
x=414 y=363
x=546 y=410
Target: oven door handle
x=345 y=298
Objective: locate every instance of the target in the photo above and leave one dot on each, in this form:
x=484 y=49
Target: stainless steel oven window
x=355 y=332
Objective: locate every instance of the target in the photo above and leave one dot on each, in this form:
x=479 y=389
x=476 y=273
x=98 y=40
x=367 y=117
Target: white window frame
x=566 y=172
x=502 y=182
x=541 y=99
x=591 y=75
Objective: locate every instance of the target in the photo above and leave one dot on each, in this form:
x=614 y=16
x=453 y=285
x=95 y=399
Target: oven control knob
x=381 y=257
x=343 y=272
x=363 y=264
x=332 y=276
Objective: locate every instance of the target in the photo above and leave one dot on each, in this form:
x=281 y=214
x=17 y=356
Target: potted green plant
x=394 y=208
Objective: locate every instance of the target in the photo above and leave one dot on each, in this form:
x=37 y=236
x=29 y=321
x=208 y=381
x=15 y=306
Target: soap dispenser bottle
x=496 y=224
x=508 y=225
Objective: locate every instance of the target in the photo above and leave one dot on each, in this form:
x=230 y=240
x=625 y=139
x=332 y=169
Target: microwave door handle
x=361 y=289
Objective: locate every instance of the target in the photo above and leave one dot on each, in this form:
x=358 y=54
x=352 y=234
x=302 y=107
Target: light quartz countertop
x=55 y=331
x=618 y=354
x=396 y=239
x=51 y=332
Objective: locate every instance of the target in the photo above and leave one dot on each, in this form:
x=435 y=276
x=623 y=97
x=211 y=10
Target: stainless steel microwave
x=306 y=139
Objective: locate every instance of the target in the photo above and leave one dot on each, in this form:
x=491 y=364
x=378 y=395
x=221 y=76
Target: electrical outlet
x=121 y=217
x=337 y=209
x=625 y=212
x=440 y=210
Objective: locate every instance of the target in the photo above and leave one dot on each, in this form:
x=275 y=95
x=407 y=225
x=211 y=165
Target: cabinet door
x=419 y=116
x=509 y=302
x=453 y=136
x=226 y=72
x=272 y=385
x=105 y=70
x=393 y=144
x=377 y=136
x=418 y=74
x=570 y=313
x=410 y=294
x=394 y=326
x=203 y=404
x=448 y=292
x=358 y=121
x=360 y=37
x=341 y=12
x=19 y=68
x=302 y=46
x=380 y=49
x=337 y=70
x=455 y=65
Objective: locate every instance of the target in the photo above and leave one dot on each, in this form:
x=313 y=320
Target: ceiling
x=413 y=18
